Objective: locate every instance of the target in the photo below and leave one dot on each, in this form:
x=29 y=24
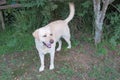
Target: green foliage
x=33 y=3
x=114 y=27
x=24 y=20
x=84 y=14
x=32 y=18
x=8 y=17
x=85 y=8
x=46 y=12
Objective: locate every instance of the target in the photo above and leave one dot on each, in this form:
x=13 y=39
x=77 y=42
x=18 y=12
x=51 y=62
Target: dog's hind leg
x=67 y=39
x=59 y=45
x=68 y=42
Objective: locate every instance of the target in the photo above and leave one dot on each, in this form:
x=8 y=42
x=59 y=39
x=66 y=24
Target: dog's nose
x=51 y=41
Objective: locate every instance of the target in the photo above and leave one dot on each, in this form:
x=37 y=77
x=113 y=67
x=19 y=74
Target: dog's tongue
x=48 y=45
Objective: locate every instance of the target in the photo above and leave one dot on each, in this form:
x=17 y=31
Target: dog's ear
x=35 y=34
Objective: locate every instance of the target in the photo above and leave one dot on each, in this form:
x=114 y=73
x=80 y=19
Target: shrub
x=112 y=29
x=35 y=14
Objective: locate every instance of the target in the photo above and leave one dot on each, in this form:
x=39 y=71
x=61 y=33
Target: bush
x=35 y=15
x=112 y=29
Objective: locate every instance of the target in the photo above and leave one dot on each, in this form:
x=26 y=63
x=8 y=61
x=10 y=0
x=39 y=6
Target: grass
x=104 y=71
x=19 y=60
x=12 y=42
x=64 y=70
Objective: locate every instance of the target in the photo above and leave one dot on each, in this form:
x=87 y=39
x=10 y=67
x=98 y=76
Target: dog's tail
x=72 y=12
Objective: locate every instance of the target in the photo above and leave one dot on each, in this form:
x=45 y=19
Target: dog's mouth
x=47 y=45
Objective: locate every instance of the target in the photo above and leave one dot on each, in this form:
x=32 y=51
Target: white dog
x=47 y=37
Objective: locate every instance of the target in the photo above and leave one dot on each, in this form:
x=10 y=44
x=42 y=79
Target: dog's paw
x=41 y=69
x=58 y=49
x=51 y=67
x=69 y=47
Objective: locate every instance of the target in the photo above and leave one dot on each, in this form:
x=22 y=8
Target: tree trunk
x=2 y=20
x=99 y=15
x=98 y=31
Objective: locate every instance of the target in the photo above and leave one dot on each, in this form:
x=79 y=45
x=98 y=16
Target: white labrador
x=47 y=37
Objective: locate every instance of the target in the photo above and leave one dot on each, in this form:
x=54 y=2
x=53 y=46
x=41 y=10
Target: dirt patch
x=79 y=60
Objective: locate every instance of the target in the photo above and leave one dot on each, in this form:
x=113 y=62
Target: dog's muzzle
x=48 y=45
x=51 y=41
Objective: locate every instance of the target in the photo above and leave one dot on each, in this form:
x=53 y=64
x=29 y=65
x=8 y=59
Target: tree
x=100 y=7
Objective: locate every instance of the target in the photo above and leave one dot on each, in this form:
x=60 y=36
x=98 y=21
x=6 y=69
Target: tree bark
x=10 y=6
x=2 y=20
x=99 y=15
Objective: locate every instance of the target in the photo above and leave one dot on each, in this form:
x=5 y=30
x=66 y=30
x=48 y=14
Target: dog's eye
x=44 y=35
x=51 y=34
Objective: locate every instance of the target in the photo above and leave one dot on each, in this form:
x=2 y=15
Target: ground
x=79 y=63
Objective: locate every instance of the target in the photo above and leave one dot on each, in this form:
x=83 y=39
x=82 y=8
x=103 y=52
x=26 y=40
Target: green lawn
x=12 y=42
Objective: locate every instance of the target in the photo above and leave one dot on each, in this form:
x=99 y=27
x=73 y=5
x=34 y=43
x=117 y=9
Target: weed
x=101 y=50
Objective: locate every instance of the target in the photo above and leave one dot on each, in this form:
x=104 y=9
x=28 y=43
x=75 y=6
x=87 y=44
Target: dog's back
x=60 y=27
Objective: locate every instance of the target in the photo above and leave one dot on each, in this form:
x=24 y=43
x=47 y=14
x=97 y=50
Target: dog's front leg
x=52 y=55
x=42 y=62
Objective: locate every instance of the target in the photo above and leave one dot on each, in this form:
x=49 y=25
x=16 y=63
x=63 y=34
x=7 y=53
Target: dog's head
x=45 y=36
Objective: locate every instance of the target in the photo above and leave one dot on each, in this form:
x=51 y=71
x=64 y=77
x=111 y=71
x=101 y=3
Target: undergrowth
x=12 y=42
